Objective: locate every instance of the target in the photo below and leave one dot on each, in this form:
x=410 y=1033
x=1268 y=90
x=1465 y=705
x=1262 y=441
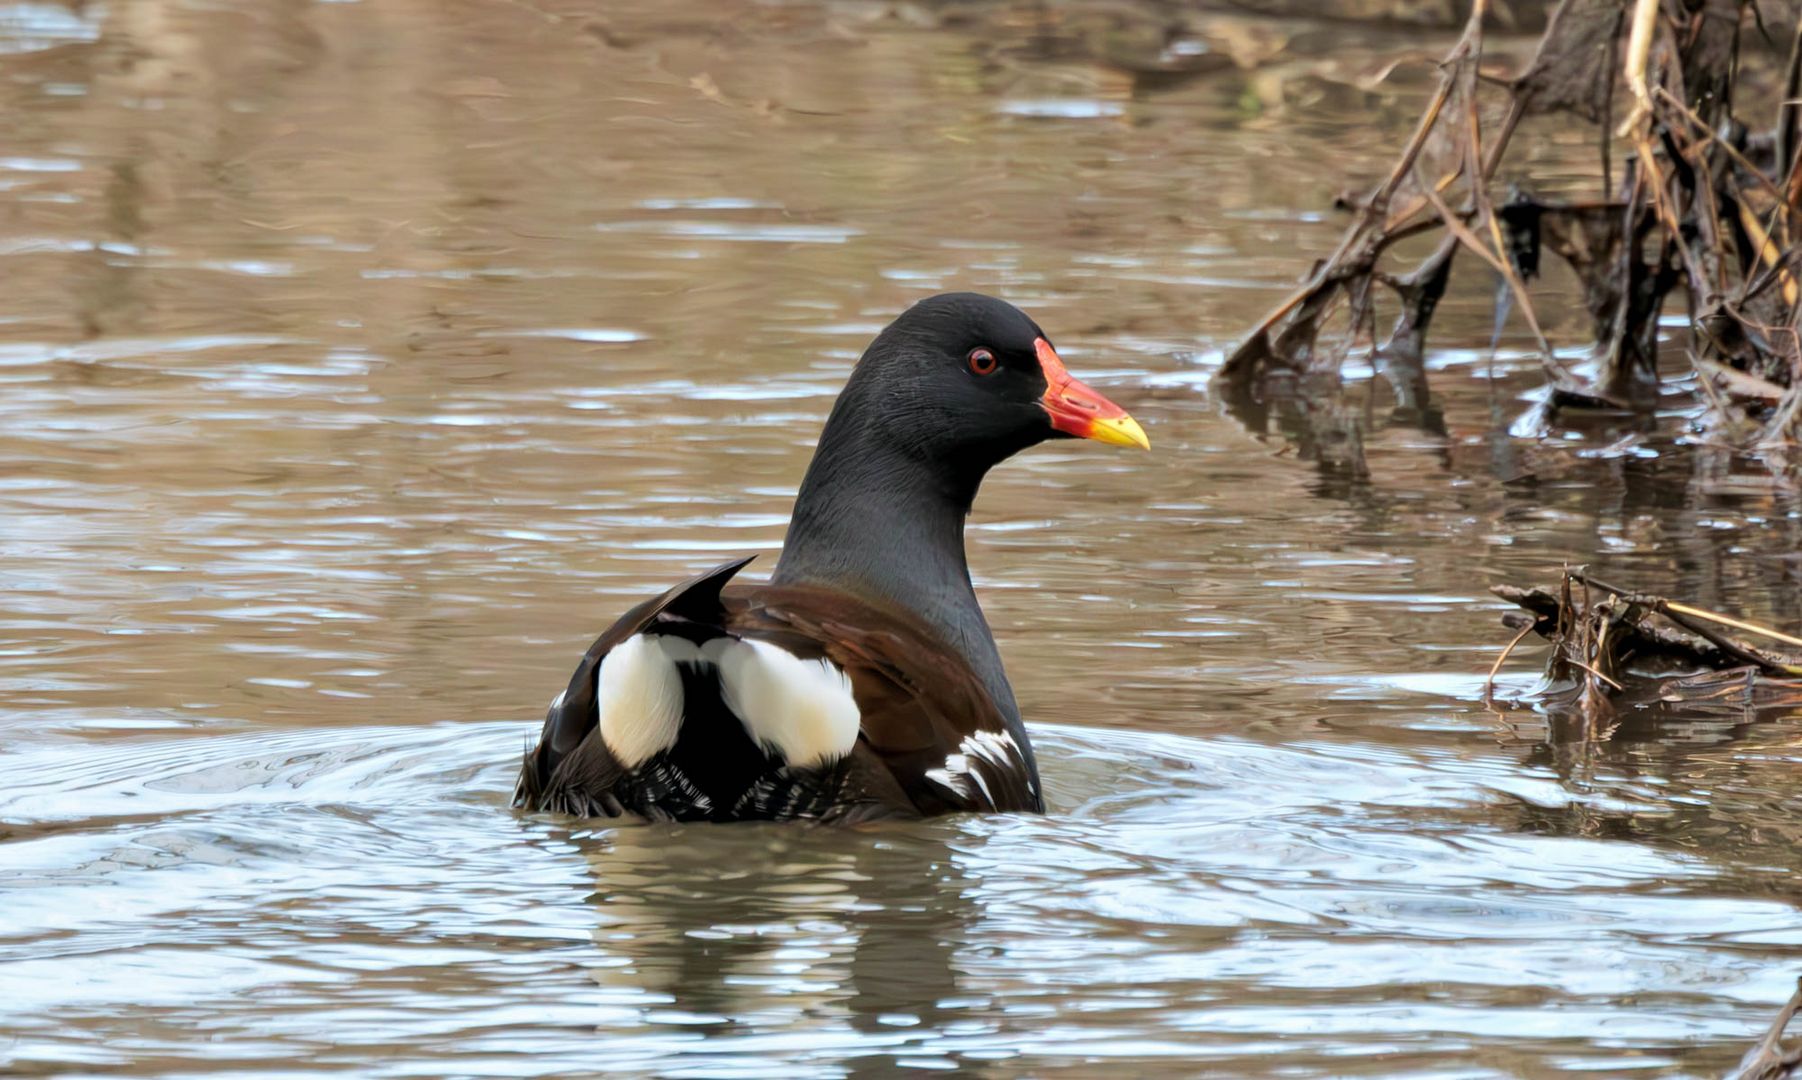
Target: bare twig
x=1481 y=251
x=1769 y=1060
x=1663 y=607
x=1639 y=52
x=1597 y=674
x=1700 y=211
x=1489 y=682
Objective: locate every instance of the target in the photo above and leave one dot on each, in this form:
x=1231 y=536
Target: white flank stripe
x=995 y=747
x=976 y=775
x=638 y=696
x=800 y=709
x=959 y=774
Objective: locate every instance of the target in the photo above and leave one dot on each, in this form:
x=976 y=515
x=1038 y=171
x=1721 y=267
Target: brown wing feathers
x=920 y=702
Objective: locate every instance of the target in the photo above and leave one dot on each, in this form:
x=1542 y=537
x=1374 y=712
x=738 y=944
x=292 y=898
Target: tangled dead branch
x=1702 y=203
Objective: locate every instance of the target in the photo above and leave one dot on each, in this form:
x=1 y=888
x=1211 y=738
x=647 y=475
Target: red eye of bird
x=983 y=362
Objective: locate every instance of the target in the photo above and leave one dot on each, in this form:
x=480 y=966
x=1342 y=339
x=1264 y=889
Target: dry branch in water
x=1702 y=203
x=1769 y=1060
x=1605 y=637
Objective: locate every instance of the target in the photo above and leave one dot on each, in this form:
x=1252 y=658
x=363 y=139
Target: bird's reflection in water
x=847 y=938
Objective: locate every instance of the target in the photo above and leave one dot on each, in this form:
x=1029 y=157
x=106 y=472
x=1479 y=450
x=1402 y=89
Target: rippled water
x=360 y=361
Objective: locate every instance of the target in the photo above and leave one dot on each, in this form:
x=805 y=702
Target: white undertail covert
x=800 y=709
x=638 y=696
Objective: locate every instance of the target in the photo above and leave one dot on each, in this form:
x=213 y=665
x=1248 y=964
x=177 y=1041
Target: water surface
x=360 y=361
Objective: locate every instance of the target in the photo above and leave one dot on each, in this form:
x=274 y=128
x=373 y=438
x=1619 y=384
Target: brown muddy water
x=360 y=361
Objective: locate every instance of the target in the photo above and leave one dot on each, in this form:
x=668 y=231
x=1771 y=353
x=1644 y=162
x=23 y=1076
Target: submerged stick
x=1594 y=672
x=1489 y=683
x=1768 y=1060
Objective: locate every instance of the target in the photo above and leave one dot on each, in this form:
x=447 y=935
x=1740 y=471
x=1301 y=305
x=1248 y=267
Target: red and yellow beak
x=1077 y=410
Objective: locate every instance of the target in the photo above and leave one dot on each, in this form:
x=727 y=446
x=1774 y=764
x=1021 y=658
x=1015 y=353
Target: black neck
x=875 y=520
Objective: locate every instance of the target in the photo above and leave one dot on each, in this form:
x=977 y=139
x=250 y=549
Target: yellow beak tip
x=1120 y=431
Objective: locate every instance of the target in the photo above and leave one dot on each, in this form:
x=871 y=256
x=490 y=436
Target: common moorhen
x=862 y=682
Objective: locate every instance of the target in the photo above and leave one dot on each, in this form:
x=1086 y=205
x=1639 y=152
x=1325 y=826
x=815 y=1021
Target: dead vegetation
x=1701 y=205
x=1605 y=638
x=1615 y=650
